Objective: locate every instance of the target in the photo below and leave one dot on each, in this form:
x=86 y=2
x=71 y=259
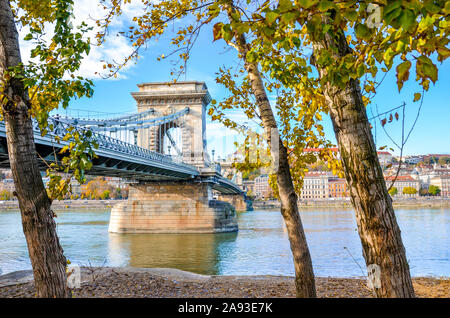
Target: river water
x=260 y=247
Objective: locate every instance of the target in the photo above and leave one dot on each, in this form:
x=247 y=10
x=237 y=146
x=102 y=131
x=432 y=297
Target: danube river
x=260 y=247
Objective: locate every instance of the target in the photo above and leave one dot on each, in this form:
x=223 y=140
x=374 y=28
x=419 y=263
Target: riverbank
x=65 y=205
x=421 y=202
x=77 y=205
x=102 y=282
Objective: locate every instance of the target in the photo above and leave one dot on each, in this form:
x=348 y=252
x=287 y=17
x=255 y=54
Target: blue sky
x=430 y=135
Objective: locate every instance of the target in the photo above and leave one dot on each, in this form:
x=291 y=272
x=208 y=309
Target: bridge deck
x=117 y=158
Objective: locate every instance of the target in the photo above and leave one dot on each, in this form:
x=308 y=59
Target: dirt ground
x=133 y=282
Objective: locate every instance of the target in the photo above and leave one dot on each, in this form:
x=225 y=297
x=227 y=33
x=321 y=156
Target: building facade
x=337 y=187
x=443 y=183
x=315 y=186
x=413 y=160
x=262 y=187
x=402 y=182
x=248 y=186
x=384 y=157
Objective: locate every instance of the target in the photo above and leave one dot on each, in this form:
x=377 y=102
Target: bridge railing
x=130 y=122
x=60 y=129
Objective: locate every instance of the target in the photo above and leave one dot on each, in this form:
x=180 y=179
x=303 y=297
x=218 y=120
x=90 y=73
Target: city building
x=337 y=187
x=5 y=174
x=424 y=179
x=440 y=171
x=262 y=187
x=434 y=156
x=413 y=160
x=402 y=182
x=384 y=157
x=405 y=170
x=248 y=186
x=8 y=185
x=315 y=185
x=443 y=183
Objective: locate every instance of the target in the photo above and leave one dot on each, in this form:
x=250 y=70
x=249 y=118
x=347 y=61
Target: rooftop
x=400 y=178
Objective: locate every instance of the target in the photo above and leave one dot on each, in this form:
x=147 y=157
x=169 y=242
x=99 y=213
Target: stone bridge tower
x=167 y=98
x=175 y=206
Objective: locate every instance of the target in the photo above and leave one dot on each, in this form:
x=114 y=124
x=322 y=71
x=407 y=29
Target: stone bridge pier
x=236 y=200
x=172 y=207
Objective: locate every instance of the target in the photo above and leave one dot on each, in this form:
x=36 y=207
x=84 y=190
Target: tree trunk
x=46 y=254
x=304 y=274
x=382 y=244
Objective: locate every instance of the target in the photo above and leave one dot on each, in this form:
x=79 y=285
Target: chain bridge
x=161 y=150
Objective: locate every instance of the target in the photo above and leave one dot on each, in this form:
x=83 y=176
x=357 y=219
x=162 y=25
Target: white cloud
x=115 y=48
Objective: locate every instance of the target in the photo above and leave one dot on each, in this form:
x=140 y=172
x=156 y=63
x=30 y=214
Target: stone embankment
x=421 y=202
x=75 y=205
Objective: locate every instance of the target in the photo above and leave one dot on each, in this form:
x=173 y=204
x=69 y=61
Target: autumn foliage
x=100 y=189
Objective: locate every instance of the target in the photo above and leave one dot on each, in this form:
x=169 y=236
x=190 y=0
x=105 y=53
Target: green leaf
x=425 y=68
x=431 y=8
x=387 y=57
x=325 y=5
x=351 y=15
x=242 y=28
x=447 y=7
x=217 y=31
x=443 y=53
x=235 y=16
x=227 y=33
x=271 y=17
x=407 y=19
x=268 y=31
x=284 y=5
x=288 y=17
x=362 y=31
x=361 y=70
x=402 y=73
x=393 y=5
x=392 y=15
x=28 y=37
x=306 y=4
x=64 y=149
x=251 y=57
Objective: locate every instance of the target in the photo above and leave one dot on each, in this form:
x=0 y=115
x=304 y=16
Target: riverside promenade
x=78 y=205
x=419 y=202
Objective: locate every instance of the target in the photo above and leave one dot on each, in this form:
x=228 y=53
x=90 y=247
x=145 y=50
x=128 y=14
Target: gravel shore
x=99 y=282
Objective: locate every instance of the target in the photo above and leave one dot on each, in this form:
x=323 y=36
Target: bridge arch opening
x=172 y=142
x=169 y=139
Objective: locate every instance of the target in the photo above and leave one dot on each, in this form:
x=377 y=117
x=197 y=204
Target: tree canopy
x=404 y=36
x=434 y=190
x=393 y=191
x=409 y=190
x=50 y=78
